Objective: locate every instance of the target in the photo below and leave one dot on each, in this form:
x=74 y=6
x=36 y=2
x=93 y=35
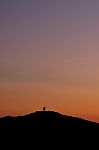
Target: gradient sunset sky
x=49 y=56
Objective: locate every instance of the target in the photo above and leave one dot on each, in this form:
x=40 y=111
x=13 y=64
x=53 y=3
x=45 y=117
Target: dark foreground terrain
x=50 y=126
x=46 y=120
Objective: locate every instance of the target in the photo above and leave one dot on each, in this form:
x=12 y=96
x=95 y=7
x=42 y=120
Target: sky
x=49 y=56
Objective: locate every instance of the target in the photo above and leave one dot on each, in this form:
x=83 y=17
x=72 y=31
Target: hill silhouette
x=46 y=120
x=48 y=127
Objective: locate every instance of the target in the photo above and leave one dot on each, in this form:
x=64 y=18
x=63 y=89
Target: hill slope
x=48 y=128
x=46 y=120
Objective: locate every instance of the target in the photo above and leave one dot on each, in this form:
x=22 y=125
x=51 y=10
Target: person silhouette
x=44 y=108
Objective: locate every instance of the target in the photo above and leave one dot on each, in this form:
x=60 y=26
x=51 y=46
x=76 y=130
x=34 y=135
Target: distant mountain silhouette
x=48 y=127
x=46 y=120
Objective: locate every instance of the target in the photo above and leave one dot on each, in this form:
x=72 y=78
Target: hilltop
x=46 y=119
x=47 y=127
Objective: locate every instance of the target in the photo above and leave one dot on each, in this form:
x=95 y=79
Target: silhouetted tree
x=44 y=108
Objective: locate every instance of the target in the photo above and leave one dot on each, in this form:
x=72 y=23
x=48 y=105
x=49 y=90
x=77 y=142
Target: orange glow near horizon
x=22 y=98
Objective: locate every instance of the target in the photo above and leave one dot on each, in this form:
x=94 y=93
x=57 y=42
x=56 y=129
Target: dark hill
x=46 y=120
x=47 y=128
